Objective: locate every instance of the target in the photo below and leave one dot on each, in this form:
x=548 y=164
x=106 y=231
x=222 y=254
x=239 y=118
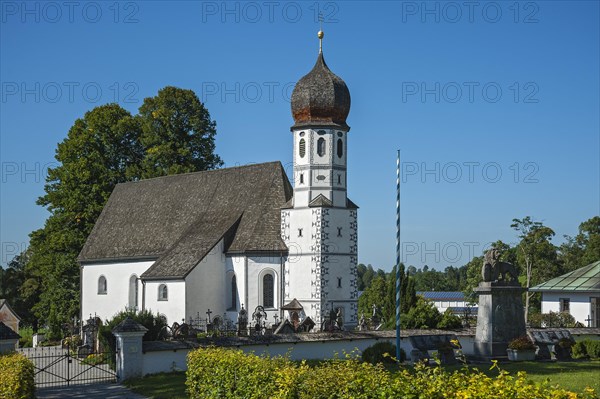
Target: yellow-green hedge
x=16 y=377
x=229 y=373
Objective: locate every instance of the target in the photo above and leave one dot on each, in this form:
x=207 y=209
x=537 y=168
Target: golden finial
x=320 y=34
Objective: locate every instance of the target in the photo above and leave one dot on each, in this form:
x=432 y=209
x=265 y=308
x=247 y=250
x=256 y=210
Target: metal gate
x=56 y=366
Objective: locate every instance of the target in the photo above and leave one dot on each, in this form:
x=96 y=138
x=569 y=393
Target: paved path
x=96 y=391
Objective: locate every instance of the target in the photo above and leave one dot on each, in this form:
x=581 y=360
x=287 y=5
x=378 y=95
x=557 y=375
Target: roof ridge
x=209 y=171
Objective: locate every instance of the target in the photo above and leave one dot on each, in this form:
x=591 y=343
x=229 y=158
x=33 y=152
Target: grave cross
x=209 y=313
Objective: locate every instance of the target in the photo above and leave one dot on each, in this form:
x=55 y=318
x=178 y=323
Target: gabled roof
x=442 y=295
x=293 y=305
x=320 y=200
x=4 y=302
x=586 y=278
x=178 y=219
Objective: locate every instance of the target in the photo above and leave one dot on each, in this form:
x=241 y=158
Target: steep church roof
x=178 y=219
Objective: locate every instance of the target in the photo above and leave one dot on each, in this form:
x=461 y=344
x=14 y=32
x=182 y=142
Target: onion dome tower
x=319 y=225
x=321 y=98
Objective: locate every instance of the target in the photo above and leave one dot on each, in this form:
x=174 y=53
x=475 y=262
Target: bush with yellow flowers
x=229 y=373
x=16 y=377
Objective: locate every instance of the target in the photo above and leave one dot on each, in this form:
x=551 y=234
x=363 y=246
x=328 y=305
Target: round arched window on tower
x=340 y=148
x=302 y=148
x=321 y=147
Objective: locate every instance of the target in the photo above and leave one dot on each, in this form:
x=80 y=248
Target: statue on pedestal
x=500 y=315
x=495 y=270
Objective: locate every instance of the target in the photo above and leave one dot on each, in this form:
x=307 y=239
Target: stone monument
x=501 y=316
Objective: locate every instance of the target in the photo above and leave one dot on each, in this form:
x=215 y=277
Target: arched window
x=163 y=292
x=340 y=148
x=133 y=292
x=321 y=147
x=268 y=291
x=102 y=286
x=302 y=148
x=233 y=292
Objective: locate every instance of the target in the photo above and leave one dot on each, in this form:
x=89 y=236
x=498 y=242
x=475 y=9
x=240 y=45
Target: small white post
x=129 y=334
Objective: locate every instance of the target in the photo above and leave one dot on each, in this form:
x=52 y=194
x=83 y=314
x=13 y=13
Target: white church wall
x=258 y=266
x=205 y=285
x=117 y=298
x=235 y=265
x=171 y=307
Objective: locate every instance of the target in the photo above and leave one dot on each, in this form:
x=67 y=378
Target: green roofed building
x=577 y=293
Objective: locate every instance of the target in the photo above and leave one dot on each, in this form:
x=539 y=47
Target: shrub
x=72 y=343
x=347 y=379
x=421 y=316
x=449 y=321
x=552 y=320
x=154 y=324
x=229 y=373
x=521 y=343
x=586 y=349
x=26 y=340
x=16 y=374
x=377 y=353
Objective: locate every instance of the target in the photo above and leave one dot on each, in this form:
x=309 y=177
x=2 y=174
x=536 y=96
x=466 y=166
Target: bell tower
x=320 y=225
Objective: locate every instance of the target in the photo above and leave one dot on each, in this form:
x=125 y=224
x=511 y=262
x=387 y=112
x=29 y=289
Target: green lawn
x=160 y=386
x=574 y=376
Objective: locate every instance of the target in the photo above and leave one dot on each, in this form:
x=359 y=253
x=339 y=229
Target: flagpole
x=398 y=276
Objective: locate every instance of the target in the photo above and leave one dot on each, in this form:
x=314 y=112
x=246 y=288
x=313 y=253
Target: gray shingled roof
x=179 y=219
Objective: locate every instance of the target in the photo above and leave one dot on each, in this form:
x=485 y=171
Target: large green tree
x=177 y=134
x=535 y=254
x=582 y=249
x=99 y=151
x=173 y=133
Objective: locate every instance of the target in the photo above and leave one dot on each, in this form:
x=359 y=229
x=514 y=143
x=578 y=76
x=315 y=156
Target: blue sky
x=494 y=105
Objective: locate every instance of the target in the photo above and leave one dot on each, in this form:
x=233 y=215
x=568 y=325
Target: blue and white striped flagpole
x=398 y=276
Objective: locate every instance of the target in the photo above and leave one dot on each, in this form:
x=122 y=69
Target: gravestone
x=501 y=316
x=550 y=339
x=443 y=344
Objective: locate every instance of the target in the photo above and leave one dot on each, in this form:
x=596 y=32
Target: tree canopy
x=173 y=133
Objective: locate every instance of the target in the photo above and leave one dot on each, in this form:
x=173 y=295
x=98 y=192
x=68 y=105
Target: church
x=238 y=237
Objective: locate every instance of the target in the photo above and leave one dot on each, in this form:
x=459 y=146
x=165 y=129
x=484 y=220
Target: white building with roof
x=577 y=293
x=453 y=300
x=183 y=244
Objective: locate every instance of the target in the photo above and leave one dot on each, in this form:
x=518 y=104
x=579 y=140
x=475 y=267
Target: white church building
x=180 y=245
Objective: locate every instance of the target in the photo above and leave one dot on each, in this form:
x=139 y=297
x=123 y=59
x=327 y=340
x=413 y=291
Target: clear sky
x=494 y=105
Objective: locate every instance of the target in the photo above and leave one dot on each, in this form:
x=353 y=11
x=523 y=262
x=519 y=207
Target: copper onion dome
x=321 y=98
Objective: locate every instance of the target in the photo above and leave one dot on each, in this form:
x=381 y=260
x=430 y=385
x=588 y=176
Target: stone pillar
x=129 y=334
x=8 y=339
x=500 y=318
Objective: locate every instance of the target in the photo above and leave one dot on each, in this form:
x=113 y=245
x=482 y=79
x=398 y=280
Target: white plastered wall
x=117 y=276
x=173 y=307
x=580 y=307
x=205 y=285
